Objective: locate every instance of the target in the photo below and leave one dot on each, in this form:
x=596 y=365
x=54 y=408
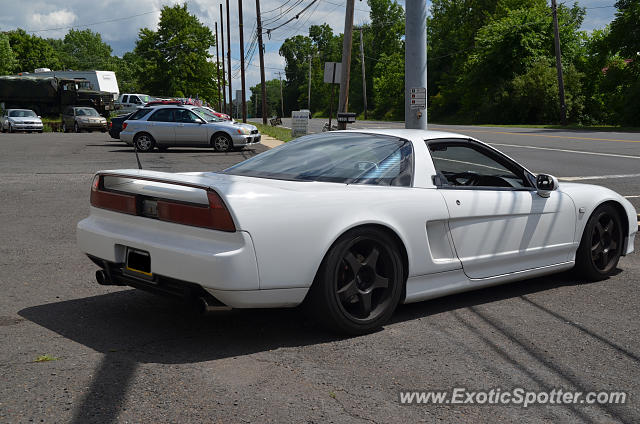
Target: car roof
x=411 y=134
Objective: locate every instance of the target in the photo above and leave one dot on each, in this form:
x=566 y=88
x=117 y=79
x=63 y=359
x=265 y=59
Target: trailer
x=98 y=80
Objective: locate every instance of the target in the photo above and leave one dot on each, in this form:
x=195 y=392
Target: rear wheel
x=359 y=283
x=222 y=143
x=64 y=127
x=144 y=142
x=76 y=128
x=601 y=244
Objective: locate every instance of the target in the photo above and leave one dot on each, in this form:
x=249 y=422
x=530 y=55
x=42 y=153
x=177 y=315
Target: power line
x=295 y=17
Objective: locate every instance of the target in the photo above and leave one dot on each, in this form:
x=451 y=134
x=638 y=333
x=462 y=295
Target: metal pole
x=281 y=96
x=218 y=70
x=333 y=79
x=364 y=78
x=556 y=34
x=261 y=51
x=343 y=104
x=309 y=94
x=224 y=84
x=415 y=60
x=229 y=58
x=244 y=97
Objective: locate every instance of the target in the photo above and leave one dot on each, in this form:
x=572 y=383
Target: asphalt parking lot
x=121 y=355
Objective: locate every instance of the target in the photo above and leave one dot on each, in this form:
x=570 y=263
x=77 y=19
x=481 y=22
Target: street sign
x=299 y=122
x=348 y=117
x=332 y=72
x=418 y=97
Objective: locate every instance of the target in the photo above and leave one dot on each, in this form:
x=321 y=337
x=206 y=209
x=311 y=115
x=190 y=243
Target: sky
x=118 y=22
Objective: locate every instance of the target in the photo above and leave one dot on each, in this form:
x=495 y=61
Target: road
x=121 y=355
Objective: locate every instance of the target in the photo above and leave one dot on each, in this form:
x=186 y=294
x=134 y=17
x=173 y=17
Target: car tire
x=10 y=128
x=601 y=244
x=64 y=127
x=144 y=142
x=359 y=283
x=222 y=142
x=76 y=128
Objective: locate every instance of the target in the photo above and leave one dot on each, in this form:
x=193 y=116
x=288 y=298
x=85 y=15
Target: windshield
x=84 y=85
x=86 y=111
x=341 y=157
x=207 y=115
x=22 y=114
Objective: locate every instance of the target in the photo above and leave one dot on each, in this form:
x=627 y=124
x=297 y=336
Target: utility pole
x=556 y=34
x=415 y=63
x=263 y=86
x=364 y=78
x=218 y=70
x=224 y=85
x=309 y=95
x=244 y=101
x=229 y=57
x=343 y=104
x=281 y=96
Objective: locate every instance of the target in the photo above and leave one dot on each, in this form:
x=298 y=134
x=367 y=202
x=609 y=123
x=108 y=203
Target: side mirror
x=546 y=184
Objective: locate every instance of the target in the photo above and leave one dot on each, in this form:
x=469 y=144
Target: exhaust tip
x=102 y=278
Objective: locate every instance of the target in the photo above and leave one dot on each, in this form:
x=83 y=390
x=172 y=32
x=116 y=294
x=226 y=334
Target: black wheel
x=222 y=143
x=601 y=244
x=359 y=283
x=64 y=127
x=144 y=142
x=10 y=128
x=76 y=128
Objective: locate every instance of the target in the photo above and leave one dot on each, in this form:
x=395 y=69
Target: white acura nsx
x=352 y=223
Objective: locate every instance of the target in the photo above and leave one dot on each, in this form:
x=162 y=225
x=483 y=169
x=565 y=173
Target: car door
x=190 y=129
x=161 y=126
x=498 y=222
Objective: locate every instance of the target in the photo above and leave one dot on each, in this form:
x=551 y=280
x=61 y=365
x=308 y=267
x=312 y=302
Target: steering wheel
x=470 y=178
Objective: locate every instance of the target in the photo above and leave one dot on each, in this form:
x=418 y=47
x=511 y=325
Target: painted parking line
x=536 y=135
x=615 y=155
x=599 y=177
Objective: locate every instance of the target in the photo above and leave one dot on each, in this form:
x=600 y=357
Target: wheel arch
x=139 y=133
x=218 y=132
x=624 y=219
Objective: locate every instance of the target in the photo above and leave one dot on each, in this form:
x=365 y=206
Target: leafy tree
x=32 y=52
x=273 y=99
x=85 y=50
x=174 y=59
x=388 y=86
x=7 y=57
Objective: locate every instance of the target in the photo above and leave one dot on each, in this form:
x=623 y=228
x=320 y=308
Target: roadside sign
x=299 y=122
x=418 y=97
x=348 y=117
x=332 y=72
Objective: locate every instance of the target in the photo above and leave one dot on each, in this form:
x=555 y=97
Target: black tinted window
x=183 y=115
x=140 y=114
x=162 y=115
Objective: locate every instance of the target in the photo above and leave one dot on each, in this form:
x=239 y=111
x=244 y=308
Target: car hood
x=25 y=119
x=232 y=125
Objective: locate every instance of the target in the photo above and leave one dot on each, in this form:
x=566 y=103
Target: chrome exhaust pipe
x=102 y=278
x=203 y=306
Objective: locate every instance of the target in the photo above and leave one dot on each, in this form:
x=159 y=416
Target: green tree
x=388 y=86
x=85 y=50
x=175 y=59
x=273 y=99
x=32 y=52
x=7 y=57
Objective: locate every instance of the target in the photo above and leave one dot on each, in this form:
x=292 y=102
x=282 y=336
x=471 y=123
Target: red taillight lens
x=110 y=124
x=125 y=203
x=214 y=216
x=124 y=125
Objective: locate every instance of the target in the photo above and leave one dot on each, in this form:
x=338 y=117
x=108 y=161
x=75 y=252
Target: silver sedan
x=185 y=126
x=20 y=120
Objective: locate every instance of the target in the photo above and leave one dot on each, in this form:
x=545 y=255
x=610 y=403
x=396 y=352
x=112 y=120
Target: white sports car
x=352 y=223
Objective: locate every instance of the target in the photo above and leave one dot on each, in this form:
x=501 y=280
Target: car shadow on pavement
x=130 y=327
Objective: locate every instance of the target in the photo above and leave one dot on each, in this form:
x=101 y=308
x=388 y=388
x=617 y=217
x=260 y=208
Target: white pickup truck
x=131 y=102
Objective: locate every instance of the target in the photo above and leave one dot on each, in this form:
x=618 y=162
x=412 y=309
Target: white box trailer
x=99 y=80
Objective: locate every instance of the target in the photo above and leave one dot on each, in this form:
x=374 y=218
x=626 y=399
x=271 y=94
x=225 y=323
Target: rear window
x=140 y=114
x=341 y=157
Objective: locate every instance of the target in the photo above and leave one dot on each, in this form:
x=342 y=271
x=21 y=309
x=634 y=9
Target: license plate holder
x=138 y=263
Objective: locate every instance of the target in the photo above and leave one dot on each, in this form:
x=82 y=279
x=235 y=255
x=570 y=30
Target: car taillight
x=110 y=124
x=124 y=125
x=213 y=215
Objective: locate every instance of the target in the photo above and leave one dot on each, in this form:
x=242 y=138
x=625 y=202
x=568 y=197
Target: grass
x=46 y=358
x=602 y=128
x=279 y=133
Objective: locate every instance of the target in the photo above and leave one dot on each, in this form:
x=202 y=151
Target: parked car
x=20 y=120
x=355 y=222
x=79 y=118
x=132 y=102
x=115 y=125
x=182 y=125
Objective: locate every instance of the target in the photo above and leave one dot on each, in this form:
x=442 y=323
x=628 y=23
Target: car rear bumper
x=215 y=260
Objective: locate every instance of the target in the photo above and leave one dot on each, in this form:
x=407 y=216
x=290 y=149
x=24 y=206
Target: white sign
x=418 y=98
x=332 y=71
x=299 y=122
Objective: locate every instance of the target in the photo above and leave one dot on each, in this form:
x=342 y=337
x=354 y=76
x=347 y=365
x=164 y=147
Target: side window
x=125 y=99
x=464 y=165
x=139 y=114
x=134 y=100
x=162 y=115
x=183 y=115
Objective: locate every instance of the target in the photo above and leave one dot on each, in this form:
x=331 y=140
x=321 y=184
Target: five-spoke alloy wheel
x=144 y=142
x=222 y=143
x=359 y=283
x=601 y=245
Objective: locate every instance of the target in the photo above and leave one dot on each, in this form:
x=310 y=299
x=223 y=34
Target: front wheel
x=359 y=283
x=144 y=142
x=601 y=244
x=222 y=143
x=10 y=128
